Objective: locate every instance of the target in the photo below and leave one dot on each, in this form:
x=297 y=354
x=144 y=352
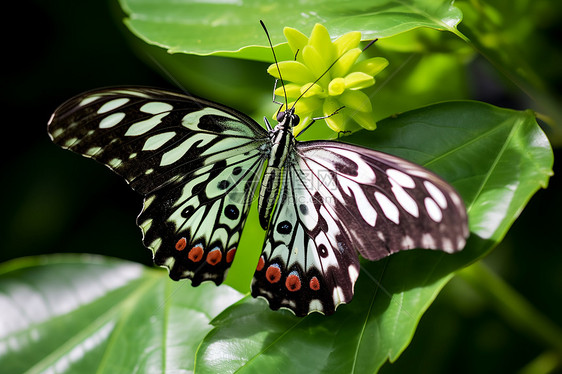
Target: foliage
x=85 y=313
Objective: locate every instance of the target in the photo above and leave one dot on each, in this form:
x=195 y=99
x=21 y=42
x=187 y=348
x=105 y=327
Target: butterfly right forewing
x=196 y=162
x=388 y=203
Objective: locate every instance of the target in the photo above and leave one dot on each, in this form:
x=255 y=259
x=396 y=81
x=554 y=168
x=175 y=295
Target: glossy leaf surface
x=85 y=314
x=232 y=28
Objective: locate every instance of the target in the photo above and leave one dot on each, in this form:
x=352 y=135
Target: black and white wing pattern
x=196 y=162
x=337 y=199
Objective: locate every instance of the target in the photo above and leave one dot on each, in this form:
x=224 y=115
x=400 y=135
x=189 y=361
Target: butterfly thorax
x=282 y=142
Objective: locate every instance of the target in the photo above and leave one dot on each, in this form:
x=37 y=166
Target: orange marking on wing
x=314 y=284
x=230 y=255
x=196 y=253
x=261 y=263
x=293 y=282
x=214 y=257
x=181 y=244
x=273 y=273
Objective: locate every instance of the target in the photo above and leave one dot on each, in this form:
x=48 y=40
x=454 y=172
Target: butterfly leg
x=267 y=124
x=319 y=118
x=343 y=133
x=275 y=96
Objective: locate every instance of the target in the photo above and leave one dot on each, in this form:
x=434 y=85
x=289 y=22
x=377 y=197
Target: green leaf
x=496 y=158
x=85 y=314
x=233 y=29
x=199 y=35
x=90 y=314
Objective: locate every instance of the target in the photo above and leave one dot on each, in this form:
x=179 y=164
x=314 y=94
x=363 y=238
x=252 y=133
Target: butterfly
x=198 y=165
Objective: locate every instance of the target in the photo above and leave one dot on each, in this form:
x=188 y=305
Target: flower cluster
x=329 y=76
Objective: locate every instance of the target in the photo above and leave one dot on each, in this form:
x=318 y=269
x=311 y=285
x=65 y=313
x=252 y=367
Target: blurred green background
x=53 y=201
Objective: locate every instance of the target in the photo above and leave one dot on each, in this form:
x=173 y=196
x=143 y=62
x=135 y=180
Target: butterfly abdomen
x=282 y=142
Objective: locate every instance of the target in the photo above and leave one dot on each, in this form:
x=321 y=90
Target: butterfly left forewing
x=151 y=136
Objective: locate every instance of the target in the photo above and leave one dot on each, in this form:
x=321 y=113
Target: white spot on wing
x=428 y=241
x=57 y=132
x=367 y=211
x=388 y=208
x=114 y=163
x=365 y=173
x=353 y=273
x=113 y=104
x=338 y=296
x=461 y=242
x=401 y=178
x=315 y=306
x=70 y=142
x=155 y=245
x=436 y=194
x=447 y=245
x=146 y=225
x=157 y=141
x=191 y=120
x=88 y=100
x=145 y=126
x=456 y=199
x=407 y=242
x=156 y=107
x=432 y=209
x=170 y=261
x=111 y=120
x=93 y=151
x=405 y=200
x=178 y=152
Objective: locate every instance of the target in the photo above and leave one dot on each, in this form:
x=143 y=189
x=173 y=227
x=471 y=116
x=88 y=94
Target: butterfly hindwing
x=307 y=263
x=194 y=227
x=196 y=162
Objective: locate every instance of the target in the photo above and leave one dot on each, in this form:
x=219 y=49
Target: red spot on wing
x=196 y=253
x=261 y=263
x=230 y=255
x=273 y=273
x=181 y=244
x=314 y=284
x=293 y=282
x=214 y=257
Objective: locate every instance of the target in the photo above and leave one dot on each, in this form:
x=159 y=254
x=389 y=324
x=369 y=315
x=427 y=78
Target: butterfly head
x=288 y=118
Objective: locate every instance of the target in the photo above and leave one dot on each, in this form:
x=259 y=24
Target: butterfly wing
x=196 y=162
x=339 y=198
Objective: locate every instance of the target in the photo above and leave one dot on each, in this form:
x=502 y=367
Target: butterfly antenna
x=327 y=70
x=276 y=63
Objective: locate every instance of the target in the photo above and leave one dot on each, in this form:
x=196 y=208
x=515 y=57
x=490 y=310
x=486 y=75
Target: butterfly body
x=198 y=165
x=282 y=143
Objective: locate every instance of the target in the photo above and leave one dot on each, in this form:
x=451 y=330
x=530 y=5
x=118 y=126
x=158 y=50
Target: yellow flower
x=328 y=76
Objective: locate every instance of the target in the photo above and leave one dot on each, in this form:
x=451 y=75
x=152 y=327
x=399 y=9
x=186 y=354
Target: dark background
x=54 y=201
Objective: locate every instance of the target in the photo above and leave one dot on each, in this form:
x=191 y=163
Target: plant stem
x=547 y=362
x=516 y=310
